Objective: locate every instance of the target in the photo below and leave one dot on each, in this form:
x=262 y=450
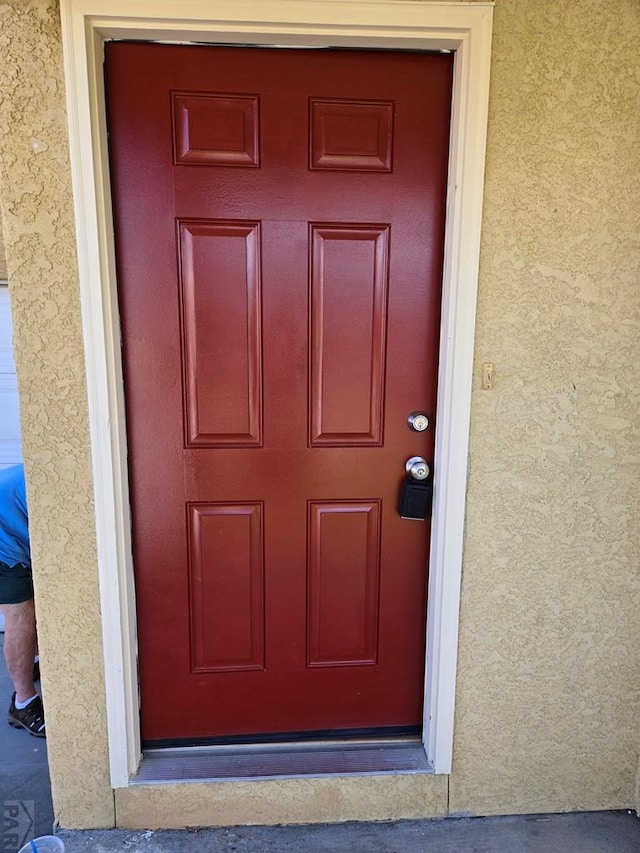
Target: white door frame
x=465 y=29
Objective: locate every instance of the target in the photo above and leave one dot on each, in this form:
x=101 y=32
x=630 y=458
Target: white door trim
x=464 y=28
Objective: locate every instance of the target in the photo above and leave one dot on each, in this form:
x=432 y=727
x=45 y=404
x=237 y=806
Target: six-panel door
x=279 y=224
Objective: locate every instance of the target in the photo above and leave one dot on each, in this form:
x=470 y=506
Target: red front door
x=279 y=229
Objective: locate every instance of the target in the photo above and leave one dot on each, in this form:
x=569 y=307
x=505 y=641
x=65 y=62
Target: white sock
x=21 y=705
x=36 y=659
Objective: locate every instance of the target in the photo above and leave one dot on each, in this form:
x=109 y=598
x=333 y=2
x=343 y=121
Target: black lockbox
x=415 y=499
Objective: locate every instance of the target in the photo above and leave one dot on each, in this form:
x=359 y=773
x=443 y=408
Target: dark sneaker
x=36 y=671
x=30 y=718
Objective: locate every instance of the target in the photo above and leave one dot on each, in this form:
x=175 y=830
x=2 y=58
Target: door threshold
x=394 y=756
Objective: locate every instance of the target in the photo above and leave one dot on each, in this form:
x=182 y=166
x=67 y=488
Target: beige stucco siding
x=35 y=190
x=548 y=702
x=331 y=799
x=547 y=705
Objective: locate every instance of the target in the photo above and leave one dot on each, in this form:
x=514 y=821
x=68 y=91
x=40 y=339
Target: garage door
x=10 y=445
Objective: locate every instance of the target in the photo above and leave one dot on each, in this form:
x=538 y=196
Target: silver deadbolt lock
x=418 y=421
x=417 y=468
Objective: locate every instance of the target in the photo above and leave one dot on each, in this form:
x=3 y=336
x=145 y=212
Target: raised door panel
x=349 y=269
x=221 y=332
x=226 y=563
x=215 y=129
x=343 y=582
x=351 y=135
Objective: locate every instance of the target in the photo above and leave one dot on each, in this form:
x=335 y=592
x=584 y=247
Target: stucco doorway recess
x=465 y=30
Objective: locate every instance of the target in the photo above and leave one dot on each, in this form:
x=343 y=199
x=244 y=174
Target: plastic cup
x=44 y=844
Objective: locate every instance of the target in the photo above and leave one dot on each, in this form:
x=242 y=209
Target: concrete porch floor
x=24 y=777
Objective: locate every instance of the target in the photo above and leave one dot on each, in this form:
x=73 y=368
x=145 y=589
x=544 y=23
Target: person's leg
x=17 y=606
x=20 y=646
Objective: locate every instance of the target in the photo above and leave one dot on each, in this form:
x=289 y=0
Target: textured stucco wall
x=35 y=193
x=547 y=701
x=547 y=713
x=326 y=800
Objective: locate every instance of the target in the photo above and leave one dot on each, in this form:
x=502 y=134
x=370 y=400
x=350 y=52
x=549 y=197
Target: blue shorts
x=16 y=583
